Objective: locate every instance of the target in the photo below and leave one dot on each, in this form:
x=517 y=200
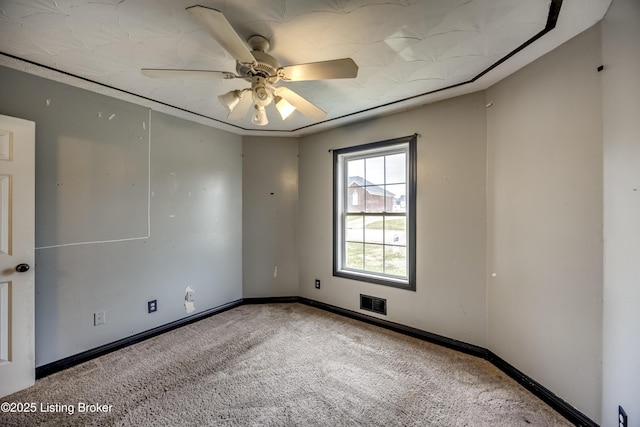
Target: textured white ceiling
x=407 y=51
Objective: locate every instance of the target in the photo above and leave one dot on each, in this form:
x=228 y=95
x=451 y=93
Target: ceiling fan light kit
x=259 y=116
x=261 y=70
x=262 y=93
x=230 y=99
x=284 y=108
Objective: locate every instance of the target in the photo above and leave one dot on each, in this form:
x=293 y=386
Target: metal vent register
x=375 y=304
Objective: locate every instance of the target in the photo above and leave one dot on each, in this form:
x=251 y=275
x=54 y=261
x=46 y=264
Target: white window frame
x=340 y=207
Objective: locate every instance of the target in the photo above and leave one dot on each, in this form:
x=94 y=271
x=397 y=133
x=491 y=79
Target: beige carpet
x=283 y=365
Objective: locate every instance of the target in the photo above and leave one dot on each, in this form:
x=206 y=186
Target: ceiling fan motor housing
x=266 y=66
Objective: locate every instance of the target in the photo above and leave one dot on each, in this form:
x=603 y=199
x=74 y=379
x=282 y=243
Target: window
x=374 y=212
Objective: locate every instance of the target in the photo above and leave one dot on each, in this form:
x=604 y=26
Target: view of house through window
x=373 y=199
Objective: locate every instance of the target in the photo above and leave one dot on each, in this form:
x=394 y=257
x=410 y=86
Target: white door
x=17 y=242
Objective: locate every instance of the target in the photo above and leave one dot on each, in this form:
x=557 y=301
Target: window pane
x=374 y=170
x=396 y=198
x=374 y=229
x=395 y=260
x=395 y=230
x=355 y=183
x=374 y=258
x=375 y=198
x=354 y=229
x=396 y=168
x=355 y=255
x=355 y=198
x=355 y=168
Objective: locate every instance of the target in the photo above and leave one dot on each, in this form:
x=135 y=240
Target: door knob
x=22 y=268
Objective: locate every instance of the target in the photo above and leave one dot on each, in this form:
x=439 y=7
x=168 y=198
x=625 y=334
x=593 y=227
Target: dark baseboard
x=544 y=394
x=85 y=356
x=270 y=300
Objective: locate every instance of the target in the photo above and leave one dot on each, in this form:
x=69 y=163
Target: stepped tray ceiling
x=408 y=53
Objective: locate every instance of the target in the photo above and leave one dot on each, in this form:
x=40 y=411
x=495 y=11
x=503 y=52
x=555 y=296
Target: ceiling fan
x=261 y=69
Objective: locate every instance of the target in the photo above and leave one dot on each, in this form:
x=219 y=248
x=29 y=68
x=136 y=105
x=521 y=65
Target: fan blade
x=240 y=110
x=336 y=69
x=187 y=74
x=301 y=104
x=223 y=32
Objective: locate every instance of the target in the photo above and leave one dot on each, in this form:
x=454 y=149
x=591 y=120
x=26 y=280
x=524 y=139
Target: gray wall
x=129 y=208
x=270 y=216
x=451 y=218
x=544 y=137
x=621 y=111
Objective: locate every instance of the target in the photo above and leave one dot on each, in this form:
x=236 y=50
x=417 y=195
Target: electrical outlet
x=317 y=283
x=152 y=306
x=99 y=318
x=622 y=417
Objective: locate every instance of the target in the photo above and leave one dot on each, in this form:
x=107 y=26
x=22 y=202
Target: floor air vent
x=375 y=304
